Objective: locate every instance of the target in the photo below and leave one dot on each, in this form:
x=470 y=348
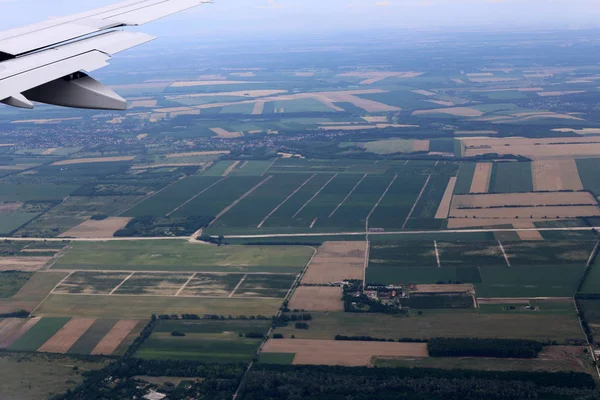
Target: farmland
x=222 y=213
x=325 y=326
x=207 y=341
x=183 y=256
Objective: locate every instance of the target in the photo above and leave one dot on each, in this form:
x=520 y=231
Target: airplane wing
x=49 y=62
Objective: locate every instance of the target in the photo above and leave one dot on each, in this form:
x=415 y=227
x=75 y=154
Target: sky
x=270 y=18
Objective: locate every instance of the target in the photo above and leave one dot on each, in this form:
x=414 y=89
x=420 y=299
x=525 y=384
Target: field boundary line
x=170 y=296
x=237 y=286
x=593 y=255
x=185 y=284
x=416 y=202
x=269 y=167
x=437 y=254
x=149 y=196
x=121 y=284
x=504 y=254
x=56 y=257
x=366 y=265
x=387 y=189
x=235 y=203
x=315 y=195
x=194 y=197
x=285 y=201
x=49 y=293
x=348 y=195
x=116 y=271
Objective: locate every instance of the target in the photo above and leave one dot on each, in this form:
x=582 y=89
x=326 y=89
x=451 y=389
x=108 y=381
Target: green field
x=407 y=275
x=206 y=341
x=592 y=280
x=465 y=178
x=547 y=281
x=402 y=254
x=12 y=192
x=473 y=254
x=214 y=200
x=35 y=337
x=394 y=208
x=588 y=172
x=175 y=255
x=11 y=282
x=91 y=282
x=354 y=210
x=142 y=307
x=511 y=177
x=252 y=168
x=424 y=212
x=252 y=210
x=39 y=376
x=549 y=253
x=166 y=201
x=433 y=323
x=10 y=221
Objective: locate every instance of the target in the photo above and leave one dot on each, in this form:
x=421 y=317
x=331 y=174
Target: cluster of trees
x=212 y=317
x=117 y=380
x=283 y=382
x=283 y=319
x=162 y=226
x=15 y=314
x=478 y=347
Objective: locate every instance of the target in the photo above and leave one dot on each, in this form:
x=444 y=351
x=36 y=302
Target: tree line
x=284 y=382
x=481 y=347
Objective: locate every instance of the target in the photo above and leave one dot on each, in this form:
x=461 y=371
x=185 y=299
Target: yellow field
x=143 y=104
x=376 y=76
x=22 y=263
x=536 y=149
x=222 y=133
x=363 y=127
x=46 y=121
x=583 y=131
x=550 y=212
x=198 y=153
x=348 y=353
x=113 y=339
x=549 y=94
x=423 y=92
x=555 y=175
x=49 y=151
x=444 y=208
x=94 y=160
x=527 y=235
x=522 y=199
x=105 y=228
x=481 y=178
x=209 y=83
x=456 y=111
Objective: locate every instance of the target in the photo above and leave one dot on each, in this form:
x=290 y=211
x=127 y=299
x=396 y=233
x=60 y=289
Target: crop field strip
x=180 y=284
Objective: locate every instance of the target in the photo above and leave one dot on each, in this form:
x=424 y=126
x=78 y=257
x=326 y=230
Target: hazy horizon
x=238 y=18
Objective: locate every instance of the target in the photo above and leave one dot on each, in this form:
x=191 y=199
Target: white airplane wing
x=49 y=62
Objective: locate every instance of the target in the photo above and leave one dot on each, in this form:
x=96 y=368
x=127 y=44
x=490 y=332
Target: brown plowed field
x=481 y=178
x=523 y=199
x=317 y=298
x=336 y=261
x=555 y=175
x=117 y=334
x=348 y=353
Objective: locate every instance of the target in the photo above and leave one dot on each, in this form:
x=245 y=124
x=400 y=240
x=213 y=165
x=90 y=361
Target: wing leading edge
x=49 y=62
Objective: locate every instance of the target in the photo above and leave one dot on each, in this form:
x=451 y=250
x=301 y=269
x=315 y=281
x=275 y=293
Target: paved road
x=316 y=234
